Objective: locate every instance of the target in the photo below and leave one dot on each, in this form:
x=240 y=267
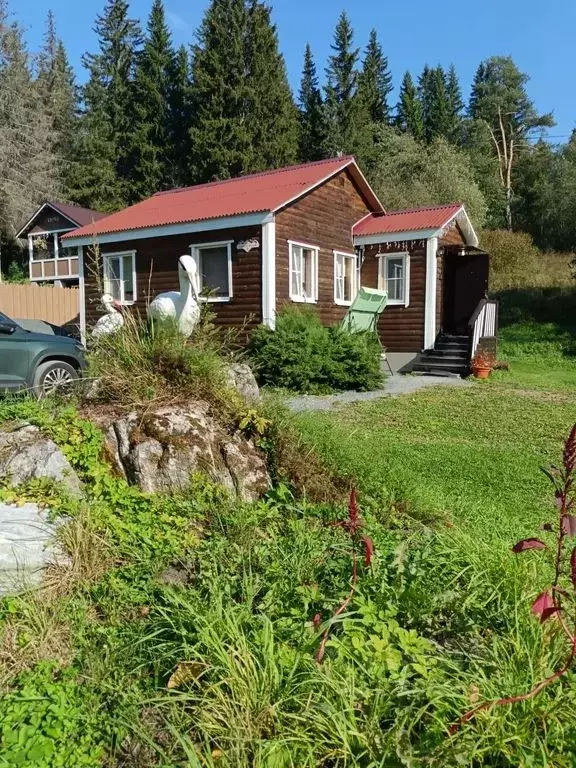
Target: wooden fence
x=28 y=301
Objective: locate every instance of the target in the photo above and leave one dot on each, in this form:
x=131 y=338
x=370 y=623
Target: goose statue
x=112 y=321
x=182 y=306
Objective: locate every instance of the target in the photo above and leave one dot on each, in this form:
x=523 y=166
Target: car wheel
x=54 y=376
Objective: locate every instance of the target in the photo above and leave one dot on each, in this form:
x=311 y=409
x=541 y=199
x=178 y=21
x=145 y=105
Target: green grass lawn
x=472 y=455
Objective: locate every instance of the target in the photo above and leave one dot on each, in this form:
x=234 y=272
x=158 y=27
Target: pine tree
x=375 y=81
x=180 y=119
x=312 y=117
x=105 y=169
x=426 y=96
x=243 y=116
x=346 y=118
x=409 y=115
x=152 y=92
x=500 y=100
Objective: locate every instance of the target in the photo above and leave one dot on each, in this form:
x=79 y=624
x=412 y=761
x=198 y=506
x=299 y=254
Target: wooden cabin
x=306 y=234
x=49 y=259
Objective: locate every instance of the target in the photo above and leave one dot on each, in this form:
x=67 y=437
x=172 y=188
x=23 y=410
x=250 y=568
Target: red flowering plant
x=557 y=601
x=353 y=525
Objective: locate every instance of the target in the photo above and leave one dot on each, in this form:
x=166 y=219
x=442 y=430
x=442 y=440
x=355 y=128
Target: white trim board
x=206 y=225
x=396 y=237
x=430 y=299
x=39 y=211
x=269 y=274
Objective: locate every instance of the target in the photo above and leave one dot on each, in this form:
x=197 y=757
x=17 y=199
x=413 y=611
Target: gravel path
x=26 y=546
x=394 y=385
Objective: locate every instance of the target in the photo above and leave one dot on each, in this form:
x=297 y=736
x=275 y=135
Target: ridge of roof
x=344 y=160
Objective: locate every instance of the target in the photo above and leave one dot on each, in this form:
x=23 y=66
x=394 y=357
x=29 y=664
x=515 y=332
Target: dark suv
x=37 y=361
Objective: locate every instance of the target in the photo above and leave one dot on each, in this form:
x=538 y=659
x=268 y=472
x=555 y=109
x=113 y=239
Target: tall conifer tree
x=243 y=115
x=312 y=117
x=152 y=91
x=438 y=118
x=375 y=82
x=105 y=170
x=180 y=119
x=456 y=104
x=409 y=115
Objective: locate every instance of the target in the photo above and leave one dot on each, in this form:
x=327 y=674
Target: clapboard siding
x=323 y=218
x=157 y=271
x=401 y=329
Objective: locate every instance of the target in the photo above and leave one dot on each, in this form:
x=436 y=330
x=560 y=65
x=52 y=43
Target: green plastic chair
x=364 y=312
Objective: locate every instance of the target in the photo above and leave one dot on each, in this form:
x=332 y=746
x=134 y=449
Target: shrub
x=144 y=363
x=305 y=356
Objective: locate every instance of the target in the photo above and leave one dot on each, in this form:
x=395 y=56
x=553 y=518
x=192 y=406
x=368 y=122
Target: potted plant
x=483 y=363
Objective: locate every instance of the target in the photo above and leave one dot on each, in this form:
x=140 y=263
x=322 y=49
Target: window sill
x=215 y=299
x=397 y=303
x=342 y=303
x=301 y=300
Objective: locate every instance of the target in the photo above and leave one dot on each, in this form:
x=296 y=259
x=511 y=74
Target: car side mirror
x=7 y=328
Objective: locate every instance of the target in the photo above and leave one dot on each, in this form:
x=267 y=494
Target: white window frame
x=316 y=257
x=383 y=271
x=196 y=251
x=106 y=273
x=355 y=283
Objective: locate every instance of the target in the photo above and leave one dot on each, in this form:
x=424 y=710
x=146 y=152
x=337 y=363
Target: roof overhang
x=460 y=217
x=22 y=231
x=226 y=222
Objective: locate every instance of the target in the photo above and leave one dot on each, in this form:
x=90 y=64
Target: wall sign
x=248 y=245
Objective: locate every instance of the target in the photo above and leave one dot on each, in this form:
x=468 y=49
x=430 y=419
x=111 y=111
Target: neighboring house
x=308 y=234
x=50 y=260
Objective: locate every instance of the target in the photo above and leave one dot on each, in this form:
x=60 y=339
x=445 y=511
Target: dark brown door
x=465 y=284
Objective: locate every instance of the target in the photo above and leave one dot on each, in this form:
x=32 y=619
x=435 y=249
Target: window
x=120 y=276
x=345 y=277
x=214 y=262
x=394 y=277
x=303 y=272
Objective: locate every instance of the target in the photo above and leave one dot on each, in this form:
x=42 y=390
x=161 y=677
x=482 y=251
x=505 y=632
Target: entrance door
x=465 y=284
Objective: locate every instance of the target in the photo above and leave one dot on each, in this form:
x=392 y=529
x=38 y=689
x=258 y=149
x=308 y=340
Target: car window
x=5 y=319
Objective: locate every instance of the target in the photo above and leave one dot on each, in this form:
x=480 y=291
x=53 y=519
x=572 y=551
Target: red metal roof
x=260 y=192
x=414 y=219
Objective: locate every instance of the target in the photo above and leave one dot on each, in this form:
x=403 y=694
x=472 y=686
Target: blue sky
x=539 y=35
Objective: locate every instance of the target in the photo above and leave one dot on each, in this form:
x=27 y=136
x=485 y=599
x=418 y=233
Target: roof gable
x=258 y=193
x=75 y=215
x=428 y=220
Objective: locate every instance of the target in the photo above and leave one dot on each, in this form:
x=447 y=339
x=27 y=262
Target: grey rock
x=26 y=454
x=161 y=450
x=27 y=546
x=240 y=377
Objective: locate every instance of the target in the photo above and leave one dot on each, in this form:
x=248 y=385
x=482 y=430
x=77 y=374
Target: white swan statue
x=181 y=307
x=112 y=321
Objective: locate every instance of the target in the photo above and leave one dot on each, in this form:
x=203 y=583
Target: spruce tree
x=152 y=91
x=426 y=96
x=312 y=117
x=409 y=115
x=348 y=118
x=456 y=105
x=375 y=81
x=105 y=169
x=438 y=121
x=180 y=119
x=243 y=115
x=57 y=88
x=272 y=117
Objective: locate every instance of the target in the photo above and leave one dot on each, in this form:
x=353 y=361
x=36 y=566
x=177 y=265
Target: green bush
x=305 y=356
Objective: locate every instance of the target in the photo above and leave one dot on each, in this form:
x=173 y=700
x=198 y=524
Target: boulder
x=240 y=377
x=25 y=454
x=161 y=450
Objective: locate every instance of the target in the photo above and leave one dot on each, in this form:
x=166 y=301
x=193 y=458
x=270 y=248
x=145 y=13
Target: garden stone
x=27 y=454
x=160 y=451
x=240 y=377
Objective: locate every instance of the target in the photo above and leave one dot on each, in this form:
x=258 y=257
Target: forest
x=149 y=116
